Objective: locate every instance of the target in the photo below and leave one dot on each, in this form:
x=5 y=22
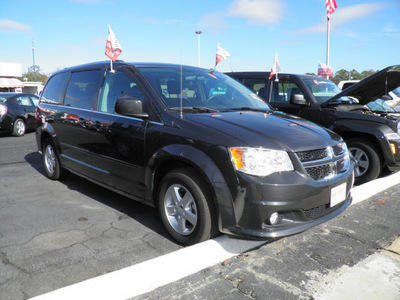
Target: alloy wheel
x=50 y=159
x=362 y=161
x=180 y=208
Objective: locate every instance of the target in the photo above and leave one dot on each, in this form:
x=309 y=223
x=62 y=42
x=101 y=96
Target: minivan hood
x=271 y=130
x=372 y=87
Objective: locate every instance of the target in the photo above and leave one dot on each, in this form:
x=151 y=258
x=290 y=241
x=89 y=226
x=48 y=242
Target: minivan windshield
x=324 y=89
x=200 y=90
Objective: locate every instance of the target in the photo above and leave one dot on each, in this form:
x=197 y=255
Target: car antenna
x=180 y=58
x=386 y=85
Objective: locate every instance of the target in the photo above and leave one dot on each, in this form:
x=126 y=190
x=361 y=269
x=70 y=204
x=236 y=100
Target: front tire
x=19 y=127
x=185 y=207
x=51 y=162
x=368 y=163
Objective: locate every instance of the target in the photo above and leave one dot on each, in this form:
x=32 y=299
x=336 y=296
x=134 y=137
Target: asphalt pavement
x=61 y=238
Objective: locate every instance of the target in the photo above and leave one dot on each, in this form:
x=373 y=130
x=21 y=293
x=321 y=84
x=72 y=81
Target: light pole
x=198 y=46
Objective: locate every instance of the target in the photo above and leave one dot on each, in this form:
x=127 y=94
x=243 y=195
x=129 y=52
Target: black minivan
x=204 y=150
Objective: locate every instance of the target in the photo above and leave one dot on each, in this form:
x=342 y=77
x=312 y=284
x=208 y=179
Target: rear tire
x=19 y=127
x=368 y=163
x=51 y=162
x=185 y=207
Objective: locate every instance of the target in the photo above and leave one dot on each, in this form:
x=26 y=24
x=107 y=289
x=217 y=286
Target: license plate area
x=338 y=194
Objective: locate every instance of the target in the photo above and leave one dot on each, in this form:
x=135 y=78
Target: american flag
x=330 y=7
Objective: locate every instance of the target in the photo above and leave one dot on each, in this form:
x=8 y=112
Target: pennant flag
x=324 y=70
x=330 y=7
x=275 y=67
x=221 y=55
x=113 y=48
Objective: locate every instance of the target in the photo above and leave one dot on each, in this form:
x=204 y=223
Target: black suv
x=206 y=151
x=371 y=133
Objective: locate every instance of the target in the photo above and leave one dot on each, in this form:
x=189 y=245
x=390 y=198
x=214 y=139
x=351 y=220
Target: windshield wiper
x=197 y=109
x=251 y=109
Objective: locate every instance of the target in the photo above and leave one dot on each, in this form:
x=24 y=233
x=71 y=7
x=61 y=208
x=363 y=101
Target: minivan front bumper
x=300 y=204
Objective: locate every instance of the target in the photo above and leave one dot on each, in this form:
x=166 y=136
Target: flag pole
x=327 y=42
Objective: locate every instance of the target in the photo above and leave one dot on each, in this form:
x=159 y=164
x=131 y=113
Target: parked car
x=17 y=112
x=204 y=150
x=344 y=84
x=372 y=136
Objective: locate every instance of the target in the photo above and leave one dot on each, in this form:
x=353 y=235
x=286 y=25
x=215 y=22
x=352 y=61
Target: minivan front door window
x=117 y=85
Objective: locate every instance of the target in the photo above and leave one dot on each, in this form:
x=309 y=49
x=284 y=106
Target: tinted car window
x=35 y=100
x=82 y=87
x=256 y=84
x=282 y=91
x=23 y=100
x=54 y=88
x=117 y=85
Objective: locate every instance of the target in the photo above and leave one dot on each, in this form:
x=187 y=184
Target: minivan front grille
x=312 y=155
x=319 y=172
x=325 y=163
x=317 y=212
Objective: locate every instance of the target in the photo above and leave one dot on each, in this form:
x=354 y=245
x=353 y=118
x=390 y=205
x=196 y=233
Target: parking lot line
x=149 y=275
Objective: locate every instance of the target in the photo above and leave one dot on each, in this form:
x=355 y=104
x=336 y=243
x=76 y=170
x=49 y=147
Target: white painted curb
x=149 y=275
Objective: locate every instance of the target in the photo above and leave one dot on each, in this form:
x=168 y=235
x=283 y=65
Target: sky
x=364 y=34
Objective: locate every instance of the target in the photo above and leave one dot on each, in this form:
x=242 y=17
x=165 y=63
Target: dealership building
x=9 y=82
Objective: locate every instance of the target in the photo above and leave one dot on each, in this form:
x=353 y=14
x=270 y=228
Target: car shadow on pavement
x=142 y=213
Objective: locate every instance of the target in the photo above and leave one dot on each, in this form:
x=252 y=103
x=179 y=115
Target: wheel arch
x=371 y=132
x=185 y=156
x=370 y=138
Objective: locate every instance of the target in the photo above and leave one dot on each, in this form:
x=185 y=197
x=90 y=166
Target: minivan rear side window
x=54 y=90
x=82 y=88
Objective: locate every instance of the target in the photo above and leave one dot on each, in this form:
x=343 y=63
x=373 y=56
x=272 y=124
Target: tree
x=34 y=75
x=354 y=75
x=365 y=74
x=340 y=75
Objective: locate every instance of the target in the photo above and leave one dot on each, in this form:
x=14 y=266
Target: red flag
x=330 y=7
x=275 y=67
x=113 y=48
x=221 y=55
x=324 y=70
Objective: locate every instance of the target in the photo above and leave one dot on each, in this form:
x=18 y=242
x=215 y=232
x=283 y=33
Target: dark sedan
x=17 y=112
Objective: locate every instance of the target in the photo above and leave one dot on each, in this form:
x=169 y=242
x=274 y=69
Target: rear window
x=54 y=88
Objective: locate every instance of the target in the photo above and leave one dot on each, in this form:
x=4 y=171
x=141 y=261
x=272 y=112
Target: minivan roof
x=99 y=64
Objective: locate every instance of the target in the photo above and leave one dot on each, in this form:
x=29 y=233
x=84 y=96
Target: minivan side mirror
x=298 y=99
x=130 y=106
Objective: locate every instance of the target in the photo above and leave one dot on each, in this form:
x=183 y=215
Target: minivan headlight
x=260 y=161
x=392 y=136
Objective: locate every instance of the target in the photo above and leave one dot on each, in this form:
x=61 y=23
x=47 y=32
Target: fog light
x=273 y=219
